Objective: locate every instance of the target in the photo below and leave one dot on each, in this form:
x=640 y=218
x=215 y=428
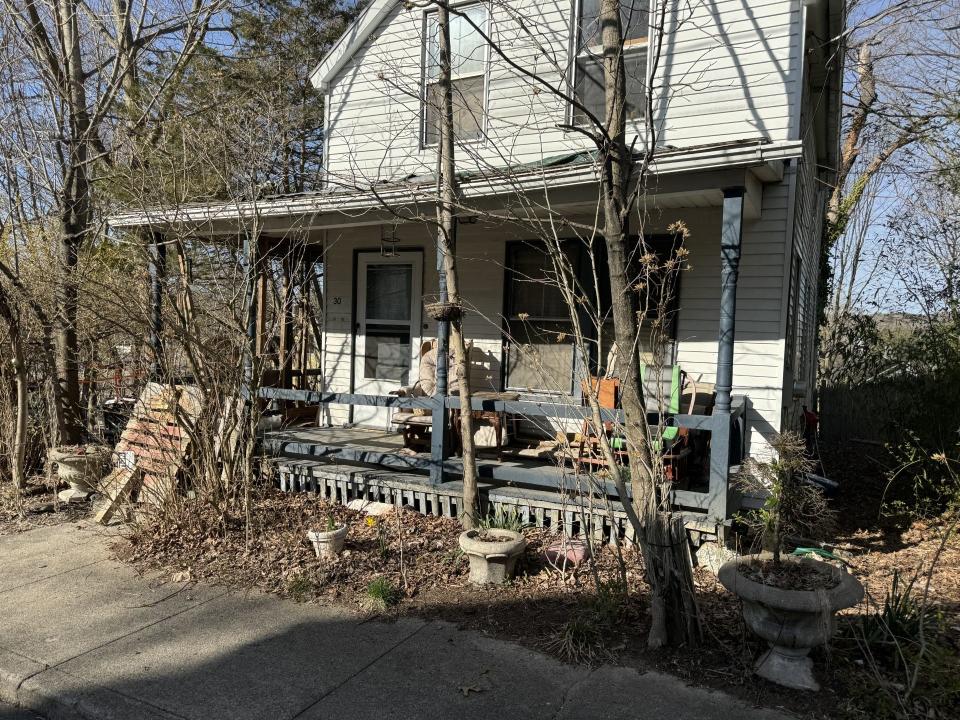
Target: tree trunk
x=18 y=453
x=672 y=607
x=75 y=220
x=446 y=237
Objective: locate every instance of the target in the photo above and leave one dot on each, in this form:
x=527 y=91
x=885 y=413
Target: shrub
x=793 y=505
x=923 y=482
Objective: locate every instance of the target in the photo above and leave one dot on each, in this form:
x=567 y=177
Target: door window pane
x=389 y=289
x=387 y=354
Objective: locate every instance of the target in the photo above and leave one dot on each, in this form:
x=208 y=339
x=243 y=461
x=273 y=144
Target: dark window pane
x=533 y=289
x=389 y=290
x=589 y=88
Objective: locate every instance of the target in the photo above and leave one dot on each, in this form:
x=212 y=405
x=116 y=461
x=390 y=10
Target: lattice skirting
x=343 y=483
x=575 y=514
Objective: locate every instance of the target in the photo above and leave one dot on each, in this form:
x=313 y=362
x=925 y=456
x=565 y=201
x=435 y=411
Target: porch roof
x=676 y=171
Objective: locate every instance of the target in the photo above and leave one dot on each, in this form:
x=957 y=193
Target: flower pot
x=567 y=552
x=327 y=544
x=493 y=554
x=791 y=621
x=82 y=467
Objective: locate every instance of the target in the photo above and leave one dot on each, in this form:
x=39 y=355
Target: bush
x=924 y=482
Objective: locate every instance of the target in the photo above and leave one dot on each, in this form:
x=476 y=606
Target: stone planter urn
x=80 y=465
x=328 y=544
x=493 y=554
x=791 y=621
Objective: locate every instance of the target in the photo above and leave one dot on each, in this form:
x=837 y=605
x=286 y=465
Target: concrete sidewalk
x=82 y=636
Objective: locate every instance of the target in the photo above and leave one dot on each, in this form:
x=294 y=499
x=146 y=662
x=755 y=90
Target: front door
x=388 y=329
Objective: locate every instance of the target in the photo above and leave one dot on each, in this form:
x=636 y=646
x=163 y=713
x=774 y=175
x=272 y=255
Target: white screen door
x=388 y=329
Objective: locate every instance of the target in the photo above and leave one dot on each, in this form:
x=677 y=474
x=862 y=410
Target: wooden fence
x=885 y=410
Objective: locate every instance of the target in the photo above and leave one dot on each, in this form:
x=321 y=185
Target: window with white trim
x=588 y=73
x=468 y=74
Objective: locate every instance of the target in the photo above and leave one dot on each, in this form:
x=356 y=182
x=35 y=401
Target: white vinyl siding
x=728 y=72
x=759 y=347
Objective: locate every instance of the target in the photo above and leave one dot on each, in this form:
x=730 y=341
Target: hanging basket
x=436 y=310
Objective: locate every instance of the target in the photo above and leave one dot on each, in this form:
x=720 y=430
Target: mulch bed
x=418 y=554
x=789 y=575
x=37 y=506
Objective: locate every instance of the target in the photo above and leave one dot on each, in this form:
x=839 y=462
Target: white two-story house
x=745 y=107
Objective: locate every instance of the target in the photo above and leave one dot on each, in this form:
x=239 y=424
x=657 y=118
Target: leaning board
x=156 y=438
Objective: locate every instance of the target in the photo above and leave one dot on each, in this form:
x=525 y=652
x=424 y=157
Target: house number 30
x=338 y=301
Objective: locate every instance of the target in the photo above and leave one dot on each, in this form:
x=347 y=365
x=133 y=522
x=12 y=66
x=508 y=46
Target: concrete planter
x=492 y=561
x=81 y=467
x=791 y=621
x=327 y=544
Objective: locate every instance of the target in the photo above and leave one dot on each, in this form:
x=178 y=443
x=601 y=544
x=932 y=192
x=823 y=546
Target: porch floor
x=381 y=448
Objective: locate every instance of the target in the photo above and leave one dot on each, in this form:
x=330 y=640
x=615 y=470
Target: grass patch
x=300 y=588
x=383 y=594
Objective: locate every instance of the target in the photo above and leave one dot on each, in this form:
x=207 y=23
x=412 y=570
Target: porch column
x=730 y=239
x=249 y=261
x=157 y=253
x=438 y=433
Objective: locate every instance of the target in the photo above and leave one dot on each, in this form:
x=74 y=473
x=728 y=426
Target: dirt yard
x=544 y=608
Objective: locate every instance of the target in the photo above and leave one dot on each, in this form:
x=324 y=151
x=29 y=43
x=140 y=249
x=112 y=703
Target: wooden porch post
x=285 y=359
x=731 y=233
x=157 y=268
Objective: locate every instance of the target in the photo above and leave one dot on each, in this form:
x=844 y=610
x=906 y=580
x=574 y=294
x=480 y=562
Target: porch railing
x=726 y=443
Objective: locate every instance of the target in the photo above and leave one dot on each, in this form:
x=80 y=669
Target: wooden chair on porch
x=664 y=389
x=415 y=424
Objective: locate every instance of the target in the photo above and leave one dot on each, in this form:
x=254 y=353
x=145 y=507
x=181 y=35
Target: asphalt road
x=9 y=712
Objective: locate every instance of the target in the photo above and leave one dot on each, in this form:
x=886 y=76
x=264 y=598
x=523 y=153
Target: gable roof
x=356 y=34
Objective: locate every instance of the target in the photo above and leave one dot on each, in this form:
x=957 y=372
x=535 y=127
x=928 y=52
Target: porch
x=706 y=499
x=361 y=350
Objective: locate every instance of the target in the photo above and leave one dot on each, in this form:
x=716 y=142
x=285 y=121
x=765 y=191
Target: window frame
x=510 y=316
x=576 y=55
x=425 y=72
x=660 y=243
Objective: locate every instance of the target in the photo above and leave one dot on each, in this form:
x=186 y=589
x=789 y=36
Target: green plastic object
x=816 y=551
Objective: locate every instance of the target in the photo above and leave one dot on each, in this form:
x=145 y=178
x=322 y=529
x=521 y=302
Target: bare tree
x=71 y=64
x=446 y=242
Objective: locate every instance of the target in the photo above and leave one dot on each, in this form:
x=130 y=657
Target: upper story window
x=468 y=60
x=588 y=74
